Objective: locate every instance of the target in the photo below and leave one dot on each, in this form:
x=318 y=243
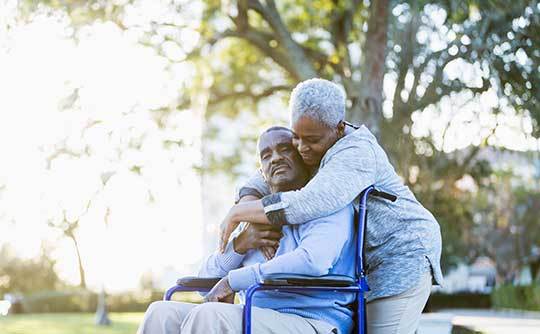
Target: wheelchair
x=303 y=283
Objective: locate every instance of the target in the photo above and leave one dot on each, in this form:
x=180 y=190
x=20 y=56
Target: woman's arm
x=255 y=186
x=253 y=190
x=309 y=258
x=345 y=174
x=341 y=179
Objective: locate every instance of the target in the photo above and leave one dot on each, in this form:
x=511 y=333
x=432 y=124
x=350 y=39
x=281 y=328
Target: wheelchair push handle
x=382 y=194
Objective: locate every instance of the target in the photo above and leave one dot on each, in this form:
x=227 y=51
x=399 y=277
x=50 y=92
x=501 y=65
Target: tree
x=360 y=45
x=435 y=56
x=509 y=231
x=23 y=276
x=69 y=229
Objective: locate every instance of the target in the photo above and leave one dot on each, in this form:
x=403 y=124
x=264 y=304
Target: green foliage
x=246 y=58
x=86 y=301
x=517 y=297
x=59 y=301
x=454 y=214
x=26 y=275
x=508 y=31
x=69 y=323
x=506 y=224
x=441 y=301
x=458 y=329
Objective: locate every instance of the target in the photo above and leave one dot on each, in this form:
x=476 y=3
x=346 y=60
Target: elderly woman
x=403 y=241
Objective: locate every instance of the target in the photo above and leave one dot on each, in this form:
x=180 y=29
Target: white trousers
x=399 y=314
x=168 y=317
x=391 y=315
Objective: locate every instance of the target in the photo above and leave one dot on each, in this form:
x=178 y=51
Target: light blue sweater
x=324 y=246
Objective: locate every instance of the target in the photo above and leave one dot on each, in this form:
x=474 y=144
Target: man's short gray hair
x=319 y=99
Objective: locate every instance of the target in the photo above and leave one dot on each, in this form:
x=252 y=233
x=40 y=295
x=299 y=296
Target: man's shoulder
x=343 y=216
x=360 y=139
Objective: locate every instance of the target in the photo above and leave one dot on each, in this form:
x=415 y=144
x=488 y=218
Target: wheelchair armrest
x=385 y=195
x=198 y=282
x=305 y=280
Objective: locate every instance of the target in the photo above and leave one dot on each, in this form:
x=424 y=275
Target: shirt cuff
x=274 y=208
x=292 y=216
x=243 y=278
x=230 y=259
x=246 y=191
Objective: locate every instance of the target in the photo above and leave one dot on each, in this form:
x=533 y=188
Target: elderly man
x=303 y=249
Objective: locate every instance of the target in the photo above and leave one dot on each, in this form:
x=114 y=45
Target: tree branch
x=369 y=103
x=221 y=97
x=241 y=20
x=261 y=41
x=408 y=50
x=301 y=66
x=341 y=27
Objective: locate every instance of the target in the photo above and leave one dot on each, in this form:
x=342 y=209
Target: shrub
x=86 y=301
x=438 y=301
x=60 y=301
x=519 y=297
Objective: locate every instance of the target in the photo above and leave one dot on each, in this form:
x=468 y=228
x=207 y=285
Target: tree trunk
x=367 y=104
x=102 y=315
x=82 y=276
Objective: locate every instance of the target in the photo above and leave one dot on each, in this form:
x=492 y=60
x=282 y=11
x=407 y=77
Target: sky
x=136 y=223
x=147 y=219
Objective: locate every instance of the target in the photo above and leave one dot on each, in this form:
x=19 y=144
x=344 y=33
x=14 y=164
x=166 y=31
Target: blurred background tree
x=18 y=276
x=449 y=87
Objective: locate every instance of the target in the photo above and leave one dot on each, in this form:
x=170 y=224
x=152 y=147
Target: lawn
x=68 y=323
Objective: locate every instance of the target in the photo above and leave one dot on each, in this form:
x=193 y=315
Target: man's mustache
x=276 y=166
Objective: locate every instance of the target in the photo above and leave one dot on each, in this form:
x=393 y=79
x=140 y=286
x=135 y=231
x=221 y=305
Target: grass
x=68 y=323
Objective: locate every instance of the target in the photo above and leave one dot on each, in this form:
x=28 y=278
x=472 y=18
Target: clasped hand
x=258 y=236
x=263 y=236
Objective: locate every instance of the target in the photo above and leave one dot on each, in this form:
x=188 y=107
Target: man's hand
x=221 y=292
x=256 y=236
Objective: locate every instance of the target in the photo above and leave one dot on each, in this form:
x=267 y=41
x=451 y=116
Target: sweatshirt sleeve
x=255 y=185
x=309 y=258
x=218 y=264
x=346 y=173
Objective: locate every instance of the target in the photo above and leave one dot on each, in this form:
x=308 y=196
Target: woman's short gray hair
x=319 y=99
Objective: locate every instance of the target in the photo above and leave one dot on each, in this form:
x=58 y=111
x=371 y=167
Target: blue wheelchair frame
x=302 y=283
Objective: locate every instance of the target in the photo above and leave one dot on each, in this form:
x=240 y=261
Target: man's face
x=282 y=166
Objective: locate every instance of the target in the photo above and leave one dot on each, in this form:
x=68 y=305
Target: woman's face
x=312 y=139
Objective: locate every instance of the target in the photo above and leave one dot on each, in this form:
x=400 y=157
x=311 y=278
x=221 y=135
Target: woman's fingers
x=224 y=237
x=272 y=252
x=222 y=243
x=267 y=252
x=225 y=233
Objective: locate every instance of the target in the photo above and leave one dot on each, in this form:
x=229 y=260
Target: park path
x=484 y=321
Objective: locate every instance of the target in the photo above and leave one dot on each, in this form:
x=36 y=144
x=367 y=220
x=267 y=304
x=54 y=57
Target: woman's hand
x=256 y=236
x=221 y=292
x=250 y=211
x=228 y=225
x=269 y=252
